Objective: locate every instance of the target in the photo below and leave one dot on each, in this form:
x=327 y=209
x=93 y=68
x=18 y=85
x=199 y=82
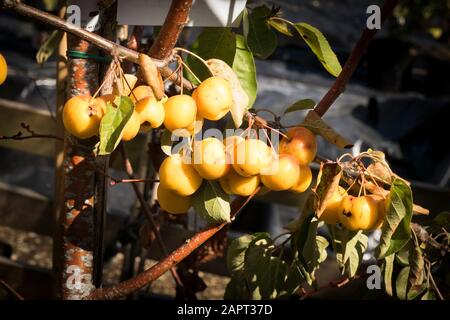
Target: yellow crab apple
x=209 y=158
x=151 y=112
x=141 y=92
x=234 y=183
x=177 y=174
x=304 y=180
x=214 y=98
x=172 y=202
x=131 y=128
x=281 y=174
x=82 y=116
x=180 y=113
x=250 y=156
x=3 y=69
x=358 y=213
x=301 y=143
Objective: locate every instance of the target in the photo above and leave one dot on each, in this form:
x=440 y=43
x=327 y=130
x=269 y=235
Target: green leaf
x=236 y=289
x=113 y=122
x=402 y=256
x=303 y=104
x=388 y=269
x=310 y=247
x=263 y=271
x=236 y=253
x=320 y=47
x=401 y=283
x=294 y=279
x=212 y=203
x=166 y=142
x=219 y=43
x=244 y=67
x=350 y=247
x=261 y=39
x=396 y=231
x=280 y=26
x=47 y=49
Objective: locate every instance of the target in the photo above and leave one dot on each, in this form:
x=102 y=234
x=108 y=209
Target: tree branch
x=102 y=43
x=141 y=280
x=168 y=36
x=352 y=62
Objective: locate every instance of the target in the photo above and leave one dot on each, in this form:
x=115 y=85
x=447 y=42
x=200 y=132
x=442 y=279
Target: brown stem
x=141 y=280
x=168 y=36
x=11 y=290
x=352 y=62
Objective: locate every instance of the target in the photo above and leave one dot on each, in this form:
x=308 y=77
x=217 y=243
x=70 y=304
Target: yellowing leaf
x=315 y=123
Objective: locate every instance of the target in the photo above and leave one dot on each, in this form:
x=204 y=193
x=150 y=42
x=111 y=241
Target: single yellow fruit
x=124 y=85
x=214 y=98
x=172 y=202
x=3 y=69
x=304 y=180
x=131 y=129
x=151 y=112
x=358 y=213
x=250 y=156
x=181 y=177
x=333 y=209
x=141 y=92
x=81 y=116
x=234 y=183
x=301 y=143
x=180 y=113
x=282 y=173
x=209 y=158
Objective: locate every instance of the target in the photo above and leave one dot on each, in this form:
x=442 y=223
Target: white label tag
x=204 y=13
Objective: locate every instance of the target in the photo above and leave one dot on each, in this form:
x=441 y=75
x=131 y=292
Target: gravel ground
x=36 y=250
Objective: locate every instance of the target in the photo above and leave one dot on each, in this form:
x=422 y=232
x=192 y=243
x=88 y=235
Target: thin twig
x=118 y=181
x=148 y=212
x=32 y=135
x=11 y=290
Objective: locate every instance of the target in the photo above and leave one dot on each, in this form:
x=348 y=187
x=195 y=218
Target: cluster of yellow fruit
x=3 y=69
x=240 y=166
x=355 y=213
x=179 y=113
x=82 y=114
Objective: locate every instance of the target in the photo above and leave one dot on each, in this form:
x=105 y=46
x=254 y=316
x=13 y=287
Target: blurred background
x=398 y=101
